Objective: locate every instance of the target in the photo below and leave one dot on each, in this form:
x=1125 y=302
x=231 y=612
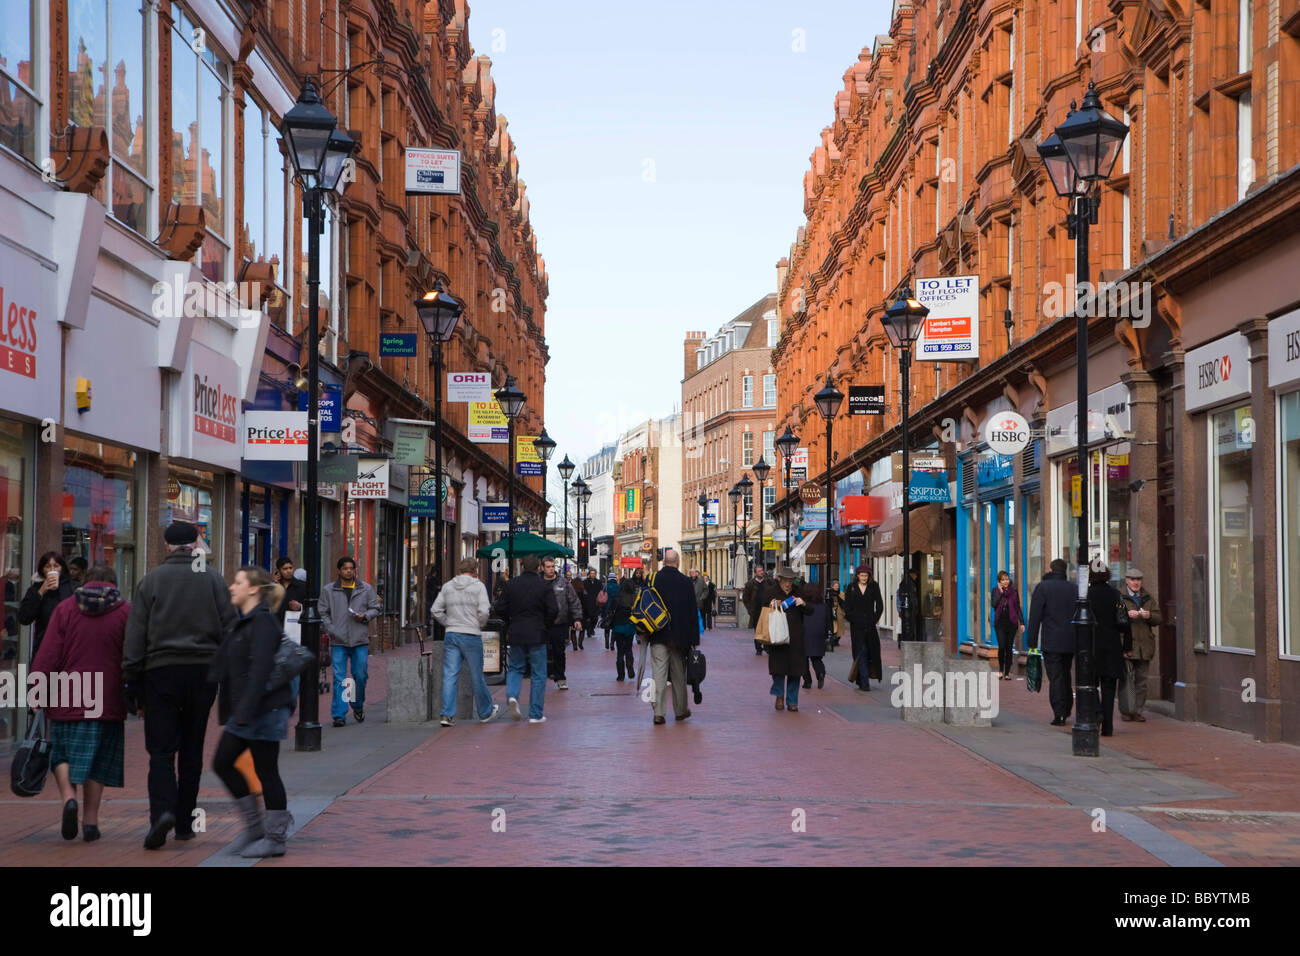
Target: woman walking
x=51 y=586
x=1007 y=621
x=624 y=629
x=462 y=608
x=814 y=634
x=1114 y=637
x=706 y=607
x=863 y=605
x=84 y=639
x=787 y=662
x=610 y=591
x=256 y=717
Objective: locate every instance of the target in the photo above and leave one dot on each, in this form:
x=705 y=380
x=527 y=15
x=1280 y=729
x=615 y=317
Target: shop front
x=928 y=540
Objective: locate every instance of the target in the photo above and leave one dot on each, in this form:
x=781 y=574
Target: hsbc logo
x=1214 y=371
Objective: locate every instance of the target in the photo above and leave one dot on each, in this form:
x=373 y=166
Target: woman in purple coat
x=1007 y=621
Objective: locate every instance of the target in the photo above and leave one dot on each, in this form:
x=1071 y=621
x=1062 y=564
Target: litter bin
x=494 y=651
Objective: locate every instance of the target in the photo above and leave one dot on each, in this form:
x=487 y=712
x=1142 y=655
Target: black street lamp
x=788 y=444
x=703 y=502
x=545 y=446
x=565 y=468
x=1080 y=153
x=828 y=402
x=439 y=312
x=585 y=494
x=761 y=470
x=746 y=490
x=318 y=151
x=903 y=322
x=511 y=400
x=579 y=489
x=734 y=495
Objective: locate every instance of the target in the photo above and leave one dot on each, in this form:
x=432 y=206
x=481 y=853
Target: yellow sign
x=525 y=450
x=769 y=544
x=1076 y=495
x=487 y=413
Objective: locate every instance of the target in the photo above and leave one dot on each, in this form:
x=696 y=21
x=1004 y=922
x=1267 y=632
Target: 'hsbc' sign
x=1218 y=372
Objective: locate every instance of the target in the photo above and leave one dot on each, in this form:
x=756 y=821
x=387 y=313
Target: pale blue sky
x=664 y=147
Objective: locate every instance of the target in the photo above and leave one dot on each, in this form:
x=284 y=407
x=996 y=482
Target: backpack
x=650 y=614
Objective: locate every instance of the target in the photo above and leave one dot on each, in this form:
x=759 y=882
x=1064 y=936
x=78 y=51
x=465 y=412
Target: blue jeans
x=359 y=656
x=788 y=686
x=535 y=656
x=467 y=649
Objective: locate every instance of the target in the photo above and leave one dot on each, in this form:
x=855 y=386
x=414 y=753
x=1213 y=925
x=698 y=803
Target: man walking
x=178 y=619
x=568 y=616
x=591 y=588
x=462 y=608
x=1143 y=615
x=701 y=588
x=1051 y=610
x=758 y=594
x=527 y=606
x=682 y=632
x=347 y=606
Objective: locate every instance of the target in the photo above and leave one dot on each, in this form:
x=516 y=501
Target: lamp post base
x=306 y=737
x=1085 y=735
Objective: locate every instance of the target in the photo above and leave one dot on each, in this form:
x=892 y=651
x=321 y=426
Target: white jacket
x=462 y=605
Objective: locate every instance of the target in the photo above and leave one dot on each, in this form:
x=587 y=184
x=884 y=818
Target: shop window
x=1289 y=454
x=20 y=103
x=195 y=496
x=14 y=461
x=264 y=189
x=1033 y=540
x=100 y=501
x=1232 y=530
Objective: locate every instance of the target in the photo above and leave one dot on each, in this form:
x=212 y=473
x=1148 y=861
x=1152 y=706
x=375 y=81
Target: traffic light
x=582 y=552
x=659 y=554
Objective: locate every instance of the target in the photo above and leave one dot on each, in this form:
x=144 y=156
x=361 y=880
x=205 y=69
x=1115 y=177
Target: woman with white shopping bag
x=785 y=655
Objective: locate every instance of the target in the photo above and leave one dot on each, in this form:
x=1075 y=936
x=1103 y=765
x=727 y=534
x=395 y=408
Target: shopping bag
x=1034 y=670
x=778 y=629
x=761 y=631
x=31 y=761
x=1128 y=690
x=292 y=626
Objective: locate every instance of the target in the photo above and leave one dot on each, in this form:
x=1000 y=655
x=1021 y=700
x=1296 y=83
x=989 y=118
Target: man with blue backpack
x=671 y=635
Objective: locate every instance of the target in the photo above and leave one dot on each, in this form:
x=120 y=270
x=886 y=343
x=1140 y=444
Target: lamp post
x=565 y=468
x=903 y=322
x=746 y=495
x=545 y=446
x=1082 y=151
x=511 y=400
x=761 y=470
x=788 y=444
x=734 y=495
x=579 y=488
x=439 y=312
x=703 y=502
x=586 y=515
x=318 y=151
x=828 y=403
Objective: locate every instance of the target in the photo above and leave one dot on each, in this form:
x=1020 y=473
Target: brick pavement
x=599 y=783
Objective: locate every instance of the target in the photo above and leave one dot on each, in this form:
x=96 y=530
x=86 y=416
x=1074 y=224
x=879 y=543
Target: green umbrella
x=525 y=543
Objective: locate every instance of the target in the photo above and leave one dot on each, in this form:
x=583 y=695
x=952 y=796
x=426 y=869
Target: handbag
x=1034 y=670
x=290 y=660
x=602 y=598
x=1128 y=690
x=778 y=629
x=31 y=763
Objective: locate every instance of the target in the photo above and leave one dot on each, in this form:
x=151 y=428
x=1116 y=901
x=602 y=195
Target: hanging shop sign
x=494 y=517
x=629 y=561
x=371 y=480
x=927 y=463
x=1006 y=433
x=1218 y=372
x=929 y=486
x=334 y=468
x=866 y=399
x=951 y=330
x=469 y=387
x=434 y=171
x=275 y=436
x=993 y=470
x=487 y=423
x=811 y=492
x=1284 y=349
x=330 y=403
x=711 y=517
x=528 y=463
x=1110 y=416
x=398 y=344
x=630 y=501
x=857 y=539
x=207 y=410
x=422 y=506
x=410 y=444
x=430 y=487
x=799 y=466
x=30 y=351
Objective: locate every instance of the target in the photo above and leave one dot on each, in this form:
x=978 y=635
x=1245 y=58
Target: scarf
x=97 y=597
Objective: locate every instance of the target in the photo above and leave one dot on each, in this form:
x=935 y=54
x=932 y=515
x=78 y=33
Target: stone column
x=1144 y=506
x=1187 y=460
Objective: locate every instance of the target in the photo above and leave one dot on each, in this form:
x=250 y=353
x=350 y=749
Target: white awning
x=811 y=547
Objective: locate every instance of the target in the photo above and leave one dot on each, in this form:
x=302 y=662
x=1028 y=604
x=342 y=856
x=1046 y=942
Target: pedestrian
x=610 y=593
x=1143 y=614
x=624 y=630
x=180 y=613
x=51 y=585
x=462 y=608
x=670 y=644
x=786 y=662
x=836 y=618
x=710 y=599
x=295 y=589
x=567 y=618
x=863 y=606
x=578 y=583
x=84 y=640
x=77 y=566
x=1112 y=637
x=701 y=588
x=1007 y=621
x=528 y=608
x=815 y=626
x=1051 y=610
x=591 y=588
x=758 y=594
x=347 y=606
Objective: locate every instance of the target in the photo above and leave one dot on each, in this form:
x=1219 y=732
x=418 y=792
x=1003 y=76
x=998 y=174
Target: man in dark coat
x=527 y=606
x=786 y=662
x=669 y=646
x=568 y=618
x=757 y=595
x=1051 y=609
x=1112 y=638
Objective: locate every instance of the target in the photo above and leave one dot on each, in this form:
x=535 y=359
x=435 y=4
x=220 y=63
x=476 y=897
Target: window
x=264 y=189
x=1232 y=530
x=1289 y=454
x=769 y=447
x=748 y=514
x=1011 y=84
x=1245 y=34
x=773 y=332
x=769 y=498
x=1126 y=219
x=747 y=449
x=200 y=97
x=19 y=103
x=769 y=391
x=1245 y=159
x=107 y=44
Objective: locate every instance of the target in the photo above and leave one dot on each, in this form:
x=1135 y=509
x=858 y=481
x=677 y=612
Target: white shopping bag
x=292 y=629
x=778 y=628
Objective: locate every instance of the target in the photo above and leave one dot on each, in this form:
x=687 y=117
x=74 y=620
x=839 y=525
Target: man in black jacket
x=757 y=595
x=570 y=616
x=1051 y=610
x=527 y=606
x=669 y=646
x=179 y=615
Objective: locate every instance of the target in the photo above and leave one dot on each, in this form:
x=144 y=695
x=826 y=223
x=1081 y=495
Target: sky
x=664 y=147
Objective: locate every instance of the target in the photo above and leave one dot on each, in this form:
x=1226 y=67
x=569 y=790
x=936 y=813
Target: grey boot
x=250 y=808
x=277 y=832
